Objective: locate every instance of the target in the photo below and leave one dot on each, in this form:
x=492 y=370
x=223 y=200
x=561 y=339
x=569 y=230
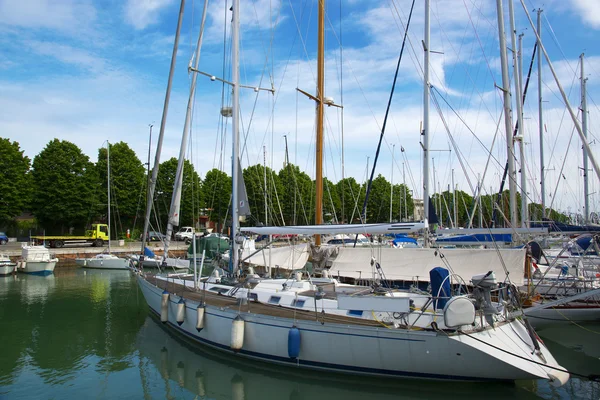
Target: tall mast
x=108 y=186
x=519 y=102
x=584 y=123
x=235 y=74
x=178 y=184
x=320 y=97
x=404 y=193
x=425 y=132
x=583 y=139
x=540 y=113
x=163 y=122
x=454 y=205
x=507 y=116
x=392 y=183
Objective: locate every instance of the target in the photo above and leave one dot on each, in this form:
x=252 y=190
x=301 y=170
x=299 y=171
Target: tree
x=128 y=183
x=190 y=192
x=15 y=182
x=254 y=177
x=297 y=197
x=378 y=206
x=351 y=199
x=332 y=204
x=66 y=187
x=403 y=207
x=217 y=195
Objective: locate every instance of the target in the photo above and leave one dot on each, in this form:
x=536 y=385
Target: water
x=87 y=334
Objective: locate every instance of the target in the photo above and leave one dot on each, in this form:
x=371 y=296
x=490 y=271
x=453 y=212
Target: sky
x=92 y=71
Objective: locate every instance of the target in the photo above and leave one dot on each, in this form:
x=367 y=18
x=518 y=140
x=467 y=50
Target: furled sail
x=243 y=205
x=376 y=229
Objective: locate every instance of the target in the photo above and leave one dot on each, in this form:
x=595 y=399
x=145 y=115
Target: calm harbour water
x=88 y=334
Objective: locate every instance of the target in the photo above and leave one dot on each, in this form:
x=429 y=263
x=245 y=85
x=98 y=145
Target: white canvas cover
x=331 y=229
x=286 y=257
x=411 y=264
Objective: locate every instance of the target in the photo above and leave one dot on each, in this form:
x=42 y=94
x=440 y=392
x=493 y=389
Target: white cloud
x=66 y=54
x=142 y=13
x=589 y=11
x=67 y=16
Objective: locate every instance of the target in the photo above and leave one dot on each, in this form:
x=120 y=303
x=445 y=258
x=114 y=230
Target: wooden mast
x=320 y=97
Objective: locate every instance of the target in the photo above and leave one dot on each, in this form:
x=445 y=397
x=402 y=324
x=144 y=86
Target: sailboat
x=304 y=324
x=105 y=260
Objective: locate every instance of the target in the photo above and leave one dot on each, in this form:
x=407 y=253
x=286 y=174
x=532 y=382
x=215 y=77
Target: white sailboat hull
x=107 y=263
x=364 y=350
x=40 y=267
x=7 y=269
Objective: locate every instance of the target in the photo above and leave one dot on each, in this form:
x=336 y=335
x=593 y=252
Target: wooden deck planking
x=218 y=300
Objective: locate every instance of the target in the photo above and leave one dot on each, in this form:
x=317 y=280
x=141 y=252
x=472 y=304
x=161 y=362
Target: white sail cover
x=412 y=264
x=285 y=257
x=243 y=205
x=376 y=229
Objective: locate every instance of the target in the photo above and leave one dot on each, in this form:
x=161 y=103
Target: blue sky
x=88 y=71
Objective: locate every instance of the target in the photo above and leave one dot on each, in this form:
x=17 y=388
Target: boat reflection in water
x=64 y=334
x=187 y=370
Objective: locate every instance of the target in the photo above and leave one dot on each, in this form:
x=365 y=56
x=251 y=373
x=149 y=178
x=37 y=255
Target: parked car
x=154 y=236
x=185 y=233
x=3 y=238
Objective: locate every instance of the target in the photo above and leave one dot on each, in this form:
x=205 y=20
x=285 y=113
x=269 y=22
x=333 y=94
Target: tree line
x=66 y=192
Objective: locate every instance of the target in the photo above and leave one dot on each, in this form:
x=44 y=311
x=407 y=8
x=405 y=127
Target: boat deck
x=253 y=307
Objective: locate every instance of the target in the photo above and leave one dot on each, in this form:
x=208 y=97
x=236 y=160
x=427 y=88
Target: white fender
x=164 y=307
x=237 y=334
x=200 y=317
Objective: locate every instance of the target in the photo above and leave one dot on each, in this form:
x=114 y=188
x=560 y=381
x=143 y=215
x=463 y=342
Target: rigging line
x=447 y=90
x=387 y=111
x=560 y=127
x=265 y=68
x=561 y=169
x=516 y=129
x=453 y=142
x=591 y=377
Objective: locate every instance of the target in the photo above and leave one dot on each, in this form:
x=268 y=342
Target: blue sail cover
x=477 y=238
x=149 y=253
x=440 y=286
x=404 y=239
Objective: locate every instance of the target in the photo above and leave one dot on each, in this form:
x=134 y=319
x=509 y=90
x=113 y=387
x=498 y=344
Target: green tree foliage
x=378 y=205
x=254 y=177
x=297 y=197
x=190 y=193
x=332 y=204
x=128 y=183
x=15 y=181
x=66 y=187
x=403 y=206
x=351 y=196
x=217 y=193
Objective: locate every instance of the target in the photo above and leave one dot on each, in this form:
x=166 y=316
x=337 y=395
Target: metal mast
x=591 y=157
x=320 y=98
x=178 y=184
x=425 y=133
x=519 y=102
x=235 y=73
x=392 y=183
x=541 y=113
x=163 y=122
x=108 y=186
x=507 y=116
x=586 y=193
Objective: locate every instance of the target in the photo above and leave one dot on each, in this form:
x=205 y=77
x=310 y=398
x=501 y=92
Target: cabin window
x=253 y=296
x=355 y=313
x=298 y=303
x=274 y=299
x=219 y=290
